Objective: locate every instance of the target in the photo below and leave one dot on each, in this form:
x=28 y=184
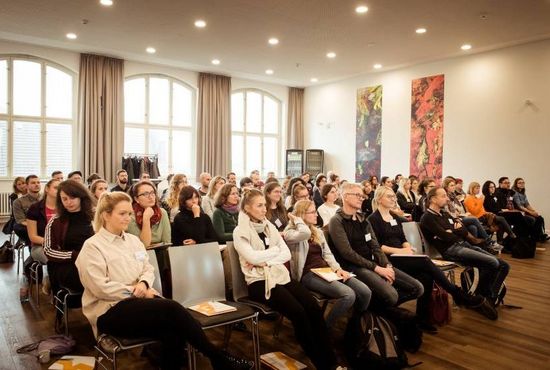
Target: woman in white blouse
x=329 y=193
x=118 y=299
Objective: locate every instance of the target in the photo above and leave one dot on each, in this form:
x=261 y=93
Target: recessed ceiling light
x=106 y=2
x=420 y=30
x=268 y=71
x=71 y=36
x=466 y=47
x=273 y=41
x=151 y=50
x=361 y=9
x=331 y=55
x=216 y=61
x=377 y=66
x=314 y=79
x=199 y=23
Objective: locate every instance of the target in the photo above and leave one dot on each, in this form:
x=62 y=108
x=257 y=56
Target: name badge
x=266 y=241
x=140 y=256
x=511 y=198
x=278 y=223
x=495 y=198
x=368 y=237
x=451 y=221
x=393 y=222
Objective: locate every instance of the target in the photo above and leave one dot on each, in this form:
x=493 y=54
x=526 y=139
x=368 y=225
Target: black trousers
x=162 y=319
x=425 y=271
x=64 y=275
x=297 y=304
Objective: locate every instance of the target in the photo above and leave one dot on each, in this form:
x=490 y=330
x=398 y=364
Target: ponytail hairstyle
x=106 y=203
x=248 y=196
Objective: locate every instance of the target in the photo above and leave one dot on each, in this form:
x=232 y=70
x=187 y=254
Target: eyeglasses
x=390 y=196
x=306 y=196
x=147 y=194
x=311 y=213
x=357 y=195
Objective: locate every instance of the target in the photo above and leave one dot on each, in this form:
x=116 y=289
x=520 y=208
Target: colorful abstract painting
x=368 y=137
x=427 y=127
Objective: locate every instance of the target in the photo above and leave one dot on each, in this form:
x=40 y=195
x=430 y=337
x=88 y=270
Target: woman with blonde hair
x=118 y=299
x=309 y=251
x=262 y=255
x=207 y=201
x=172 y=201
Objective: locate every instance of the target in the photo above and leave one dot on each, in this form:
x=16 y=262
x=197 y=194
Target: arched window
x=37 y=117
x=159 y=116
x=255 y=132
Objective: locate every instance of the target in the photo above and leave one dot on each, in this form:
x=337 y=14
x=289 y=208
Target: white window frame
x=42 y=119
x=146 y=126
x=262 y=134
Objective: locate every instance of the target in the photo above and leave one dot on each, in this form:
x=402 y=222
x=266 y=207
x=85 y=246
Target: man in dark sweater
x=357 y=250
x=504 y=194
x=448 y=236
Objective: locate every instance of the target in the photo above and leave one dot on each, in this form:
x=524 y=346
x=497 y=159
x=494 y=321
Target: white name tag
x=495 y=198
x=451 y=221
x=266 y=240
x=278 y=223
x=368 y=237
x=393 y=222
x=140 y=256
x=511 y=198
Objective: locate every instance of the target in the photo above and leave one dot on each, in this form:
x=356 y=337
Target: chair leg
x=191 y=359
x=66 y=318
x=256 y=342
x=227 y=335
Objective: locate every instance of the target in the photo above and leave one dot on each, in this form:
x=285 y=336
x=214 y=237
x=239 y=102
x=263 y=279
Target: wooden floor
x=520 y=339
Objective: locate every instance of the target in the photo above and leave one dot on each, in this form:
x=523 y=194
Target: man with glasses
x=356 y=248
x=504 y=194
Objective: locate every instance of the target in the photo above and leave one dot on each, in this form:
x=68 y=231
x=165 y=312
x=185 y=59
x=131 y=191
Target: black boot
x=462 y=298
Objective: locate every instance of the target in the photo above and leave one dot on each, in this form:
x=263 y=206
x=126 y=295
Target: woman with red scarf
x=149 y=222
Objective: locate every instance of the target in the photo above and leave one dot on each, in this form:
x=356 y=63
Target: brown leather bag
x=440 y=309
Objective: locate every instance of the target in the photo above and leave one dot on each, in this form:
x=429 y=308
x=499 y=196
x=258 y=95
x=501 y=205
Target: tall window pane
x=27 y=88
x=271 y=153
x=237 y=112
x=253 y=154
x=134 y=140
x=237 y=154
x=3 y=148
x=134 y=100
x=59 y=142
x=271 y=115
x=158 y=144
x=59 y=93
x=159 y=101
x=253 y=112
x=3 y=86
x=182 y=144
x=26 y=148
x=182 y=108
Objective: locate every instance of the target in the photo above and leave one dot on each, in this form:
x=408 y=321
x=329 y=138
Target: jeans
x=403 y=289
x=475 y=227
x=492 y=270
x=345 y=293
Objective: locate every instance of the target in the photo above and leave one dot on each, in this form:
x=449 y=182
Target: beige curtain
x=213 y=125
x=295 y=119
x=101 y=114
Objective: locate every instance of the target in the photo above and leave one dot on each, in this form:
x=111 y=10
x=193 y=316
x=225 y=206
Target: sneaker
x=24 y=294
x=487 y=310
x=227 y=361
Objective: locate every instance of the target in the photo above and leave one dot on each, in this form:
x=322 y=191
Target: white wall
x=489 y=130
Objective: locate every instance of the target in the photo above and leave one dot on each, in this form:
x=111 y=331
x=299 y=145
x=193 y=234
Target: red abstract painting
x=427 y=127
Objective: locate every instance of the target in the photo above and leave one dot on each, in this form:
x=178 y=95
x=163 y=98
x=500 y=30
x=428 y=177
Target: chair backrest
x=430 y=250
x=240 y=289
x=412 y=234
x=157 y=284
x=197 y=273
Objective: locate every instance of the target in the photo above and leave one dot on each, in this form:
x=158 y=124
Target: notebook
x=280 y=361
x=327 y=274
x=212 y=308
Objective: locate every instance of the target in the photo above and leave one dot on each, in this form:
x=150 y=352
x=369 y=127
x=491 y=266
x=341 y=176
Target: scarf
x=138 y=213
x=231 y=209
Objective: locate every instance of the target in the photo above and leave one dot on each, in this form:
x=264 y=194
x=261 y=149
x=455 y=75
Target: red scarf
x=138 y=213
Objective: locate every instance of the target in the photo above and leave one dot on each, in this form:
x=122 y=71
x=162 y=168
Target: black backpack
x=521 y=247
x=469 y=280
x=372 y=342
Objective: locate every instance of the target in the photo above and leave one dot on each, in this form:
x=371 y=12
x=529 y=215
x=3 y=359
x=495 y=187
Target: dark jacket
x=434 y=228
x=187 y=226
x=224 y=223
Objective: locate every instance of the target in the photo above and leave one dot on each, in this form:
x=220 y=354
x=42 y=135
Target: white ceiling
x=237 y=32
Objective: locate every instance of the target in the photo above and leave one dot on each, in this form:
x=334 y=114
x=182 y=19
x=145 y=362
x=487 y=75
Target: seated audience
x=97 y=188
x=396 y=182
x=177 y=183
x=328 y=208
x=226 y=212
x=390 y=236
x=121 y=181
x=449 y=238
x=207 y=201
x=310 y=250
x=459 y=191
x=76 y=176
x=231 y=178
x=22 y=204
x=368 y=192
x=405 y=197
x=288 y=194
x=245 y=184
x=262 y=254
x=19 y=187
x=149 y=222
x=256 y=180
x=474 y=205
x=58 y=175
x=415 y=183
x=374 y=182
x=65 y=234
x=275 y=209
x=358 y=251
x=299 y=192
x=144 y=176
x=386 y=181
x=91 y=179
x=191 y=225
x=534 y=218
x=204 y=179
x=320 y=181
x=118 y=299
x=425 y=186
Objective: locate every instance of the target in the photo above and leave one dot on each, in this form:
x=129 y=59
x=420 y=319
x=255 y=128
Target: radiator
x=5 y=209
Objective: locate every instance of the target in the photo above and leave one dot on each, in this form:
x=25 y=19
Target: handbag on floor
x=6 y=252
x=439 y=307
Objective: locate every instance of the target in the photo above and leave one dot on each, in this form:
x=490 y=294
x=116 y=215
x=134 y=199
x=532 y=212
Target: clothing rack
x=137 y=163
x=141 y=155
